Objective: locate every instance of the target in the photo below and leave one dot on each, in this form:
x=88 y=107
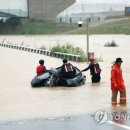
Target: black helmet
x=65 y=60
x=41 y=61
x=118 y=60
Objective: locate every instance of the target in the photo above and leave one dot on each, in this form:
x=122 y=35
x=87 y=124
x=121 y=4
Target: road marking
x=119 y=125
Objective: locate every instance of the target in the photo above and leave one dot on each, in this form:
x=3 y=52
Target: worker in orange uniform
x=117 y=83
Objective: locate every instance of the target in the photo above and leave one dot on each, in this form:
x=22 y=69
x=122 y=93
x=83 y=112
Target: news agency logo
x=103 y=116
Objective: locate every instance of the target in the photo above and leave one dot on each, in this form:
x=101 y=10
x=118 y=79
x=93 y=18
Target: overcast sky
x=22 y=4
x=13 y=4
x=104 y=1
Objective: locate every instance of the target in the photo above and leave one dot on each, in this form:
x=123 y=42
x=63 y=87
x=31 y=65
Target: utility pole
x=87 y=36
x=87 y=39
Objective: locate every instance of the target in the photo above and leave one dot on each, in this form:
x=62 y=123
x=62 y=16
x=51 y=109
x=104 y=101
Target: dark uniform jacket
x=94 y=68
x=67 y=71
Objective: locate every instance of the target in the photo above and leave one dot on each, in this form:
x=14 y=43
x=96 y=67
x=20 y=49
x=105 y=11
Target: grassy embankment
x=112 y=27
x=36 y=27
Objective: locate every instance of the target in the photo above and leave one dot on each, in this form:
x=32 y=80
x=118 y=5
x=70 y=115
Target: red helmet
x=91 y=59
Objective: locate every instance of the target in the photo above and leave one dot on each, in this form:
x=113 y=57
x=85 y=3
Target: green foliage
x=32 y=26
x=111 y=44
x=37 y=27
x=69 y=49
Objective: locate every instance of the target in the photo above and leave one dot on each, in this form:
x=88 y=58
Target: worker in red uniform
x=41 y=68
x=117 y=83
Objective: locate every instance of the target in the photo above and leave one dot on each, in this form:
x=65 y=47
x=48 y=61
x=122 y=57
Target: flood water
x=19 y=101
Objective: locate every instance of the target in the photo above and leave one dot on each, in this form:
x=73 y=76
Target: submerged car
x=52 y=78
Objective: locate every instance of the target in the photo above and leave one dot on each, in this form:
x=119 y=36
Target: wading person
x=41 y=68
x=117 y=83
x=94 y=70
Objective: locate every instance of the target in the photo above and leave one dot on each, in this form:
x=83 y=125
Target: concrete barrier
x=70 y=57
x=29 y=49
x=25 y=49
x=12 y=46
x=22 y=48
x=15 y=47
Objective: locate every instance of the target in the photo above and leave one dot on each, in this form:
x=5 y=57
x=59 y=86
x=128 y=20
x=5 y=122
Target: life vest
x=97 y=69
x=40 y=69
x=68 y=68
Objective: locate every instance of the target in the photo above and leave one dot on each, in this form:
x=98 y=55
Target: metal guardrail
x=70 y=57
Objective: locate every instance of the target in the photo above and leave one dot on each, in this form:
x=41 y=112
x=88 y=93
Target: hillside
x=111 y=26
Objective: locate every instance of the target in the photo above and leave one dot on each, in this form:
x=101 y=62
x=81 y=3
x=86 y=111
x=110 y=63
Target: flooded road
x=21 y=102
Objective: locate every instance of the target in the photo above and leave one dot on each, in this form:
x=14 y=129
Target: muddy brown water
x=20 y=101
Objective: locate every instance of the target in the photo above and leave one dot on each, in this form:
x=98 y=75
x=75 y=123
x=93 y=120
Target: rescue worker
x=117 y=83
x=67 y=70
x=94 y=70
x=41 y=68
